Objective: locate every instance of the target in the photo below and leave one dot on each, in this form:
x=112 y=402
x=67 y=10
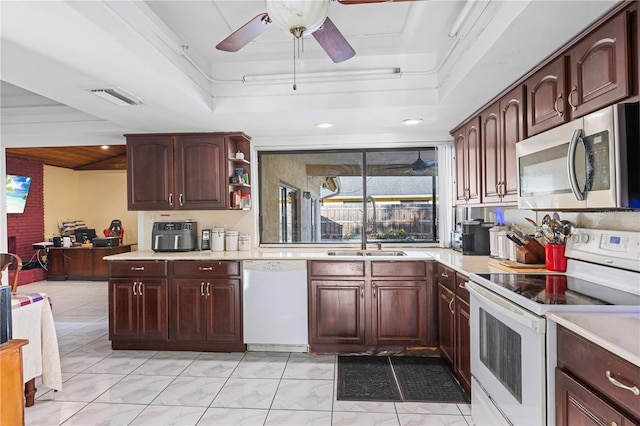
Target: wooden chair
x=11 y=261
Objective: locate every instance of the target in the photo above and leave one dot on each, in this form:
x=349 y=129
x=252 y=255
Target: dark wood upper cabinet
x=200 y=172
x=492 y=154
x=468 y=168
x=150 y=178
x=546 y=91
x=600 y=68
x=502 y=127
x=185 y=171
x=512 y=129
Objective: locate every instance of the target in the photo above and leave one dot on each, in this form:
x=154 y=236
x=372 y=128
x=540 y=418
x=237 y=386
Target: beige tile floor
x=106 y=387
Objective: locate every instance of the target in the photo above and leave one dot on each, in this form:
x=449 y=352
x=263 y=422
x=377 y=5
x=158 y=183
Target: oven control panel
x=606 y=247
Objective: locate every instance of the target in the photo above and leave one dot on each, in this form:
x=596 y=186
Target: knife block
x=536 y=249
x=523 y=255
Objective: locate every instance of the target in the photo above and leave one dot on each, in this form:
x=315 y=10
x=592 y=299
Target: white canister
x=217 y=239
x=494 y=242
x=512 y=251
x=503 y=245
x=231 y=240
x=66 y=241
x=244 y=242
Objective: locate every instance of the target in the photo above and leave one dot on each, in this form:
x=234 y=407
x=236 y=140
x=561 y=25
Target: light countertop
x=448 y=257
x=618 y=333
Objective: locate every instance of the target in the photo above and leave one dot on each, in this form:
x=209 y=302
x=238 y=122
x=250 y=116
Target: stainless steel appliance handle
x=507 y=308
x=571 y=164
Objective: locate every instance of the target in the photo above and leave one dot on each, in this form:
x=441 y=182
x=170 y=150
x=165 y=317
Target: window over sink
x=349 y=196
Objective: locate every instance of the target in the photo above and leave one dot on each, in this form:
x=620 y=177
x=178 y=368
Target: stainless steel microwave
x=589 y=163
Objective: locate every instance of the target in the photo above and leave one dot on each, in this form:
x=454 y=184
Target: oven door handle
x=508 y=308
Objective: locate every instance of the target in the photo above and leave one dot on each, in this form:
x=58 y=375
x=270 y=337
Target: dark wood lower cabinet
x=206 y=310
x=138 y=309
x=195 y=306
x=337 y=312
x=446 y=322
x=594 y=386
x=399 y=313
x=577 y=405
x=370 y=306
x=463 y=344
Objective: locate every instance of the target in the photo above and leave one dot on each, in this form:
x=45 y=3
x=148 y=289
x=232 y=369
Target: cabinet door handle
x=171 y=198
x=205 y=268
x=555 y=105
x=140 y=288
x=633 y=389
x=444 y=274
x=137 y=268
x=573 y=89
x=202 y=288
x=361 y=291
x=375 y=291
x=208 y=289
x=133 y=288
x=462 y=285
x=180 y=199
x=450 y=307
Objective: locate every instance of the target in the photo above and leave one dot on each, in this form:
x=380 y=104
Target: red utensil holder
x=554 y=258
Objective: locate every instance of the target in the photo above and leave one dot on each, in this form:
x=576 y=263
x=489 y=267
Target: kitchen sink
x=385 y=253
x=345 y=253
x=366 y=253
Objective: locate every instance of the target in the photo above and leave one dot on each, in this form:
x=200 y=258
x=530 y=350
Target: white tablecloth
x=40 y=357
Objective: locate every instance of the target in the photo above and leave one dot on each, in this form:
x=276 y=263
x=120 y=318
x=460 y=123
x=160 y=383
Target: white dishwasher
x=274 y=305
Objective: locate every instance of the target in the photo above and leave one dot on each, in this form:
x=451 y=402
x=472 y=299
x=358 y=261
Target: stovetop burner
x=548 y=289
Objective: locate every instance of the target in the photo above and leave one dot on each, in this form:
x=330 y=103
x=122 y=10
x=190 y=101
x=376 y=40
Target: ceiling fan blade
x=371 y=1
x=243 y=35
x=333 y=42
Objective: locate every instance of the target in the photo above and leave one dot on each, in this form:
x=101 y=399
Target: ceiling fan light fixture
x=412 y=121
x=291 y=15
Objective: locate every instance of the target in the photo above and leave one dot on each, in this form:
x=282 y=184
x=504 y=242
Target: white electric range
x=513 y=347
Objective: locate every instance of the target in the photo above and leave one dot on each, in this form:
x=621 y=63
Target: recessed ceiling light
x=324 y=125
x=412 y=121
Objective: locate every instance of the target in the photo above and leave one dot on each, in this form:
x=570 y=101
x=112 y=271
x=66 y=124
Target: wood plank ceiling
x=75 y=157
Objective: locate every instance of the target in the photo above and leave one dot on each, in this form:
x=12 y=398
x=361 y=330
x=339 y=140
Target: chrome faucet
x=372 y=228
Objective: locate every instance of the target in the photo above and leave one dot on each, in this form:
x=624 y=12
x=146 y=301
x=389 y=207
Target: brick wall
x=27 y=228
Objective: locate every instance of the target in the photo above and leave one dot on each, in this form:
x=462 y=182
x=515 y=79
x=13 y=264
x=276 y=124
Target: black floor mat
x=420 y=379
x=366 y=378
x=426 y=379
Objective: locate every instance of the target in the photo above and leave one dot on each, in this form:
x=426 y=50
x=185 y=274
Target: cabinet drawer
x=446 y=276
x=205 y=268
x=462 y=291
x=143 y=268
x=590 y=364
x=399 y=269
x=342 y=269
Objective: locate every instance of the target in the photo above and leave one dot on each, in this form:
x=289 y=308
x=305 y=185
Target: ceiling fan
x=299 y=17
x=418 y=167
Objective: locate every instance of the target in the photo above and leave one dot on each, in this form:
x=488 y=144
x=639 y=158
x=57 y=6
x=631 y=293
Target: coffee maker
x=471 y=237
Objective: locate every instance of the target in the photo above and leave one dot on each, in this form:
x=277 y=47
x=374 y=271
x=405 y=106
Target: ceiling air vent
x=118 y=96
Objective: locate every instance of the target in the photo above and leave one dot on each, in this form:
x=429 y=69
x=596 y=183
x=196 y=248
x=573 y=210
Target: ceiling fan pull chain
x=294 y=63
